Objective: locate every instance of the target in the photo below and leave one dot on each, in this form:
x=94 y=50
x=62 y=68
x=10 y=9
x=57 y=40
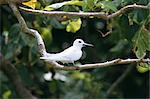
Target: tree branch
x=25 y=29
x=55 y=65
x=99 y=65
x=127 y=8
x=86 y=14
x=12 y=73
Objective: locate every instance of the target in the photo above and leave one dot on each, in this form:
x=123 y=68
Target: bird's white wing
x=72 y=54
x=67 y=56
x=62 y=56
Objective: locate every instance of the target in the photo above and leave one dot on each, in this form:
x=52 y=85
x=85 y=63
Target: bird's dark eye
x=79 y=41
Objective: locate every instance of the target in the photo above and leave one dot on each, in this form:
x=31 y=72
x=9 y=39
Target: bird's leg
x=73 y=63
x=76 y=65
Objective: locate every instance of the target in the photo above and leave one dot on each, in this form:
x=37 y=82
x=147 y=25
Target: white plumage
x=70 y=54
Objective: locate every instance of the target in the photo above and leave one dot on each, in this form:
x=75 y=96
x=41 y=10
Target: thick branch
x=99 y=65
x=12 y=73
x=25 y=29
x=86 y=14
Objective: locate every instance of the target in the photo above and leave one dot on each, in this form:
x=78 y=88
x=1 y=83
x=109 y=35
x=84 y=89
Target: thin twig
x=127 y=8
x=105 y=34
x=118 y=81
x=86 y=14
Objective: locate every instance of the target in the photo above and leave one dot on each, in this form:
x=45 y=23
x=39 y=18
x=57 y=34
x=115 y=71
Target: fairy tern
x=69 y=55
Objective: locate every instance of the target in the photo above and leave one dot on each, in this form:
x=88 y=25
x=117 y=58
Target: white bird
x=69 y=55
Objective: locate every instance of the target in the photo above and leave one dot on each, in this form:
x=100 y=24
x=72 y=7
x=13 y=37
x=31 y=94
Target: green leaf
x=47 y=35
x=27 y=40
x=108 y=5
x=3 y=77
x=14 y=30
x=140 y=52
x=143 y=67
x=52 y=86
x=88 y=5
x=56 y=24
x=141 y=42
x=74 y=25
x=59 y=5
x=80 y=75
x=7 y=94
x=137 y=17
x=25 y=74
x=78 y=3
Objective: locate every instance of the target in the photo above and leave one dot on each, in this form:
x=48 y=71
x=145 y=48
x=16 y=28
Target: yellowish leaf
x=30 y=4
x=59 y=5
x=74 y=25
x=143 y=67
x=64 y=22
x=78 y=3
x=6 y=94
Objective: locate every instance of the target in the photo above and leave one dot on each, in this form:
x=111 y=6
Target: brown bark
x=14 y=1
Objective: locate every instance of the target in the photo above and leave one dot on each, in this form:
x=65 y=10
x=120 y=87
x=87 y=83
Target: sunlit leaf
x=143 y=67
x=78 y=75
x=46 y=35
x=65 y=22
x=31 y=3
x=59 y=5
x=78 y=3
x=7 y=94
x=141 y=42
x=74 y=25
x=37 y=5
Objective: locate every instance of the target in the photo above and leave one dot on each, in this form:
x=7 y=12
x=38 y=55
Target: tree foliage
x=130 y=38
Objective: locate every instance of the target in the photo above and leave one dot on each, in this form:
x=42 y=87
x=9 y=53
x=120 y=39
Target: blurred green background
x=21 y=50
